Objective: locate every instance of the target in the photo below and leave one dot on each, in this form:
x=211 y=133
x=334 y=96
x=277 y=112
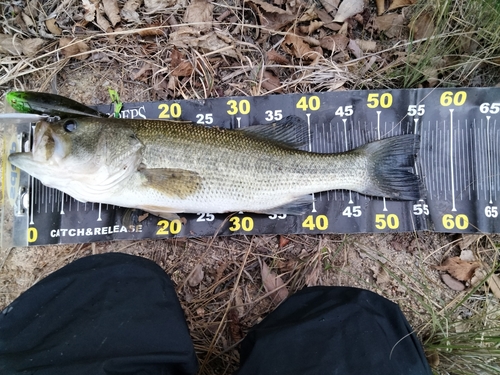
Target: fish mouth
x=47 y=145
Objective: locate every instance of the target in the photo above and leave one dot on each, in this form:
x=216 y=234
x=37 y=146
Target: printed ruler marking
x=488 y=150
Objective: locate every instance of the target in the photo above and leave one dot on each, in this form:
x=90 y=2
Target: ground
x=198 y=49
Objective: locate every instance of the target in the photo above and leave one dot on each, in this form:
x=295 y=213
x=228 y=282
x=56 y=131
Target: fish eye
x=70 y=126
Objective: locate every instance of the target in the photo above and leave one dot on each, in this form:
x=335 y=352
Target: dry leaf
x=112 y=11
x=154 y=5
x=367 y=45
x=273 y=283
x=89 y=8
x=272 y=55
x=179 y=66
x=199 y=13
x=13 y=46
x=283 y=241
x=196 y=276
x=349 y=8
x=458 y=268
x=494 y=284
x=270 y=16
x=128 y=11
x=452 y=283
x=102 y=22
x=212 y=42
x=334 y=43
x=327 y=20
x=380 y=7
x=72 y=48
x=355 y=49
x=295 y=45
x=313 y=26
x=395 y=4
x=270 y=82
x=468 y=239
x=423 y=26
x=52 y=26
x=391 y=24
x=150 y=30
x=330 y=6
x=32 y=46
x=10 y=45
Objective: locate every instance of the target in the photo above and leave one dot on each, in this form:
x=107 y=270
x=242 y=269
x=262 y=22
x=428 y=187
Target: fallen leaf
x=334 y=43
x=355 y=49
x=200 y=14
x=468 y=239
x=494 y=284
x=349 y=8
x=128 y=11
x=71 y=48
x=150 y=30
x=89 y=8
x=32 y=46
x=213 y=42
x=196 y=276
x=155 y=5
x=380 y=7
x=52 y=26
x=313 y=26
x=390 y=24
x=423 y=26
x=272 y=55
x=459 y=269
x=367 y=45
x=233 y=321
x=395 y=4
x=180 y=67
x=273 y=284
x=295 y=45
x=112 y=11
x=327 y=20
x=270 y=16
x=13 y=46
x=452 y=283
x=330 y=6
x=283 y=241
x=270 y=82
x=101 y=21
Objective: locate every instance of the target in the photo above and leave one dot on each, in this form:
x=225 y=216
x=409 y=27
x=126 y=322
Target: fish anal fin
x=299 y=206
x=172 y=182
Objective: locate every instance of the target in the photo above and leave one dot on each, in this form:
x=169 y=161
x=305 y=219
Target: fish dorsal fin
x=290 y=132
x=172 y=182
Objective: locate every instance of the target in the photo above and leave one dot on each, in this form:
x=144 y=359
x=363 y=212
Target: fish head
x=86 y=150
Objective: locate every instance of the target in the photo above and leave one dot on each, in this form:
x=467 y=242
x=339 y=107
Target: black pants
x=119 y=314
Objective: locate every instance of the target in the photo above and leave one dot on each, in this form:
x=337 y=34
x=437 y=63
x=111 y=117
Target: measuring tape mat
x=458 y=163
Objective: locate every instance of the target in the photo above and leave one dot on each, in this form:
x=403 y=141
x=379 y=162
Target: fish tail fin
x=391 y=164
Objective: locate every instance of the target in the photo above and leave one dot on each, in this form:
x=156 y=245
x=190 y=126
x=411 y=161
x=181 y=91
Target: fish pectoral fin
x=172 y=182
x=297 y=207
x=290 y=132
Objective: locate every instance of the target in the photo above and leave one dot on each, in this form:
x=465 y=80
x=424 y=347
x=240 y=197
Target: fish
x=43 y=103
x=172 y=167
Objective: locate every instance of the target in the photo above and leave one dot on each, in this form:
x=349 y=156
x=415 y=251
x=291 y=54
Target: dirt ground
x=220 y=307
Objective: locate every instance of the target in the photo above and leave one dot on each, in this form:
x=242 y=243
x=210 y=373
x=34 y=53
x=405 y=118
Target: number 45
x=416 y=110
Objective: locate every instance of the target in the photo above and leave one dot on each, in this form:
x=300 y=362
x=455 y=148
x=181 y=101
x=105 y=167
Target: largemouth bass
x=168 y=167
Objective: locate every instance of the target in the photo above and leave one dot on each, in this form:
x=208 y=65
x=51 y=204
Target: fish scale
x=168 y=167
